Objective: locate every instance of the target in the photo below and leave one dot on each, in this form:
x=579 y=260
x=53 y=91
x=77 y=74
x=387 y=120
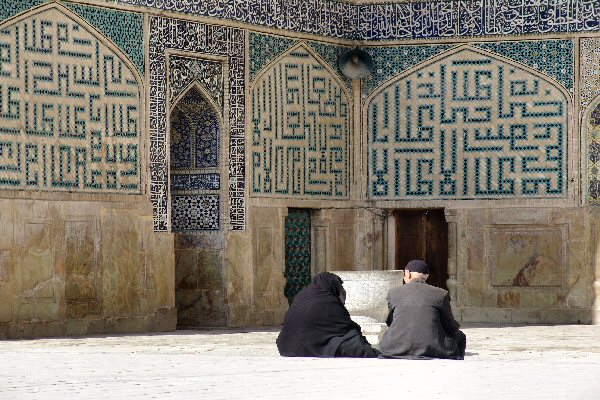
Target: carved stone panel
x=526 y=256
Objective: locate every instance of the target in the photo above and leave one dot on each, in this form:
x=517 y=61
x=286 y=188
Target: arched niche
x=468 y=124
x=195 y=135
x=300 y=141
x=70 y=116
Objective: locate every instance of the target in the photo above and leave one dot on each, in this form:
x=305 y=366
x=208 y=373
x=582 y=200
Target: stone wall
x=524 y=265
x=119 y=207
x=77 y=266
x=79 y=252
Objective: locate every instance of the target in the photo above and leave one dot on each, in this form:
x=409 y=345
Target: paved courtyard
x=518 y=362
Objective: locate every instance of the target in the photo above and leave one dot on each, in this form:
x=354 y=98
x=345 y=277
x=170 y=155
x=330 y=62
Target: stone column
x=391 y=242
x=596 y=265
x=451 y=220
x=318 y=246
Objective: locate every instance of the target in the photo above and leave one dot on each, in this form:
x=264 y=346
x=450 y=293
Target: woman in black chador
x=317 y=323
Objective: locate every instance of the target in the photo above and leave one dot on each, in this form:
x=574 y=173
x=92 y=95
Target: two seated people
x=420 y=321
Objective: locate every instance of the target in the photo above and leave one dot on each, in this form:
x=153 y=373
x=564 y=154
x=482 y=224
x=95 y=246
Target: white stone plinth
x=366 y=293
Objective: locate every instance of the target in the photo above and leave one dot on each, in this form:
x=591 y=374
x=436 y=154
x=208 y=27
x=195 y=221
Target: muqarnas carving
x=70 y=106
x=300 y=129
x=468 y=125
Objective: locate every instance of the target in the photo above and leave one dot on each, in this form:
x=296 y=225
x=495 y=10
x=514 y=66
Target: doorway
x=297 y=252
x=423 y=235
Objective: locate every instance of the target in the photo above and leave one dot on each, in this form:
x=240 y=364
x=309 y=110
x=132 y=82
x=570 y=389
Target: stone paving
x=510 y=362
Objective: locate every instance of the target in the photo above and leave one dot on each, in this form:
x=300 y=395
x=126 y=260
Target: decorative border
x=320 y=17
x=168 y=33
x=589 y=64
x=407 y=20
x=464 y=18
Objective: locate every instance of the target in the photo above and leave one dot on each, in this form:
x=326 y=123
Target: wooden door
x=423 y=235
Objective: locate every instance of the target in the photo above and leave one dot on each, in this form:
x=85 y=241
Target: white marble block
x=366 y=293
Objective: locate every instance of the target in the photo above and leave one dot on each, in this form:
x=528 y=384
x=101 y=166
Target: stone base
x=522 y=315
x=163 y=320
x=371 y=328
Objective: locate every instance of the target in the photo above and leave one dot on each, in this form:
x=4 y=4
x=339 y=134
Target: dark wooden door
x=423 y=235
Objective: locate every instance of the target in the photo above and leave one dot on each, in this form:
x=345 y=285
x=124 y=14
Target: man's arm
x=390 y=316
x=448 y=321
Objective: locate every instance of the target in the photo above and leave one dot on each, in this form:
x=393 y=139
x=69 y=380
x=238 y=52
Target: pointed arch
x=195 y=138
x=195 y=120
x=468 y=124
x=301 y=123
x=75 y=109
x=195 y=85
x=301 y=46
x=460 y=48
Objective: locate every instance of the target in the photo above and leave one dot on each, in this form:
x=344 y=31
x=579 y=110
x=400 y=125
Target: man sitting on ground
x=420 y=320
x=317 y=324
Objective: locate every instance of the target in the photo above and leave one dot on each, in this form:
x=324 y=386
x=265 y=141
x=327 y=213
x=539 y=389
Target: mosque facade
x=187 y=163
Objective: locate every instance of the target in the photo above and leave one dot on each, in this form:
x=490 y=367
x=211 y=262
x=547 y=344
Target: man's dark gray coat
x=421 y=324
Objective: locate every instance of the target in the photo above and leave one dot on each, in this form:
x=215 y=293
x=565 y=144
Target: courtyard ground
x=502 y=362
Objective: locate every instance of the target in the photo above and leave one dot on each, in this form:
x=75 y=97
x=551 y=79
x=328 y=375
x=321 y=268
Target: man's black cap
x=417 y=266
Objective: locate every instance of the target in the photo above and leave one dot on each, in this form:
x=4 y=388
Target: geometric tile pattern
x=468 y=126
x=165 y=34
x=554 y=58
x=266 y=48
x=208 y=73
x=125 y=29
x=70 y=107
x=297 y=252
x=195 y=212
x=10 y=8
x=400 y=20
x=589 y=86
x=300 y=129
x=391 y=61
x=331 y=54
x=194 y=135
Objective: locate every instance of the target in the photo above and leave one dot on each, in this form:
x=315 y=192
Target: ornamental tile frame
x=591 y=125
x=589 y=92
x=168 y=34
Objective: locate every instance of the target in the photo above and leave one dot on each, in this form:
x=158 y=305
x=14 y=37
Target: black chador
x=318 y=324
